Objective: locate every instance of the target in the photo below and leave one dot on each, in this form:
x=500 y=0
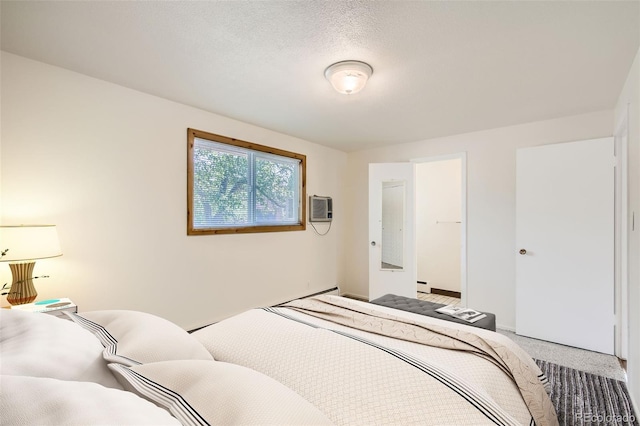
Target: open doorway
x=441 y=228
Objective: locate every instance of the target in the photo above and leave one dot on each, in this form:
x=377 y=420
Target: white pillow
x=44 y=401
x=132 y=337
x=211 y=392
x=43 y=345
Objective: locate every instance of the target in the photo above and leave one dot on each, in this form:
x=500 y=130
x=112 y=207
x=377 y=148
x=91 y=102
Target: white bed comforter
x=356 y=377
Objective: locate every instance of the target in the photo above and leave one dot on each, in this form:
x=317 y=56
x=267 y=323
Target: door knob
x=522 y=251
x=373 y=243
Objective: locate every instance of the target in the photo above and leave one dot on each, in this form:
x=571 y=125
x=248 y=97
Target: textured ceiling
x=440 y=68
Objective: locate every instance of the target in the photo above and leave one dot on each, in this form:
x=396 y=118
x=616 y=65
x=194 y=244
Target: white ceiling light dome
x=348 y=77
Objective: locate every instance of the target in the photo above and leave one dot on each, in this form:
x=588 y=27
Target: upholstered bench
x=423 y=307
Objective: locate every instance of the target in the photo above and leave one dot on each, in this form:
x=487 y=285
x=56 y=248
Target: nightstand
x=55 y=307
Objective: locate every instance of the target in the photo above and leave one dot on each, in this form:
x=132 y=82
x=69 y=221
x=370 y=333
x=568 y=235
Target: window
x=236 y=186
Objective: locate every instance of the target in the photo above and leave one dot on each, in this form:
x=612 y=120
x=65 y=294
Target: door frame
x=621 y=279
x=462 y=156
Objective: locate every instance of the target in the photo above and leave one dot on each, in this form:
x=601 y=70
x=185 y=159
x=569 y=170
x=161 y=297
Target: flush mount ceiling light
x=348 y=77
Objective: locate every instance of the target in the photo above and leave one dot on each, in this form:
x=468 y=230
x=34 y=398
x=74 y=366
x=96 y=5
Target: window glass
x=237 y=186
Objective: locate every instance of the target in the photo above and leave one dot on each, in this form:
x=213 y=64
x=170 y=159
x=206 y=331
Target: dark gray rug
x=582 y=398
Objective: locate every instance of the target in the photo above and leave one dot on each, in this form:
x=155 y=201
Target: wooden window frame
x=192 y=134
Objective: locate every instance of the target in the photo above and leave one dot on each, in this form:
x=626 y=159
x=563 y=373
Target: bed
x=321 y=360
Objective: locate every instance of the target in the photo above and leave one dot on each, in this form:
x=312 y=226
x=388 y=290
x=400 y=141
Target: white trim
x=636 y=408
x=462 y=156
x=621 y=284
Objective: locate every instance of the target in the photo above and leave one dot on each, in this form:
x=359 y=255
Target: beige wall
x=108 y=166
x=438 y=208
x=491 y=247
x=629 y=100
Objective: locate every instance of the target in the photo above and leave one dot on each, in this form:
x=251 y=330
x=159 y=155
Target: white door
x=392 y=252
x=565 y=243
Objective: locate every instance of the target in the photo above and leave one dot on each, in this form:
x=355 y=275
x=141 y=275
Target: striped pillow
x=132 y=337
x=211 y=392
x=43 y=345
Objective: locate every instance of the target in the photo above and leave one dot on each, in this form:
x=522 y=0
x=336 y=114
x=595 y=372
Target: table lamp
x=21 y=246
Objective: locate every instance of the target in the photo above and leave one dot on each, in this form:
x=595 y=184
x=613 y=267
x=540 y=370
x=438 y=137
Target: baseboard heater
x=355 y=297
x=449 y=293
x=423 y=287
x=329 y=290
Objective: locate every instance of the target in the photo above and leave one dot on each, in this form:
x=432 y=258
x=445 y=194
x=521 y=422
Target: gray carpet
x=582 y=398
x=580 y=359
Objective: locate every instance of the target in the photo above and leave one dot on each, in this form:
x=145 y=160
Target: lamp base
x=22 y=289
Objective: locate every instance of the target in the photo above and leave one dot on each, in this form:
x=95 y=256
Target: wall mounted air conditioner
x=320 y=209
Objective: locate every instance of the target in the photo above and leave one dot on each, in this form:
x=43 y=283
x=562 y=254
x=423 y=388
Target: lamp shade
x=29 y=242
x=348 y=77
